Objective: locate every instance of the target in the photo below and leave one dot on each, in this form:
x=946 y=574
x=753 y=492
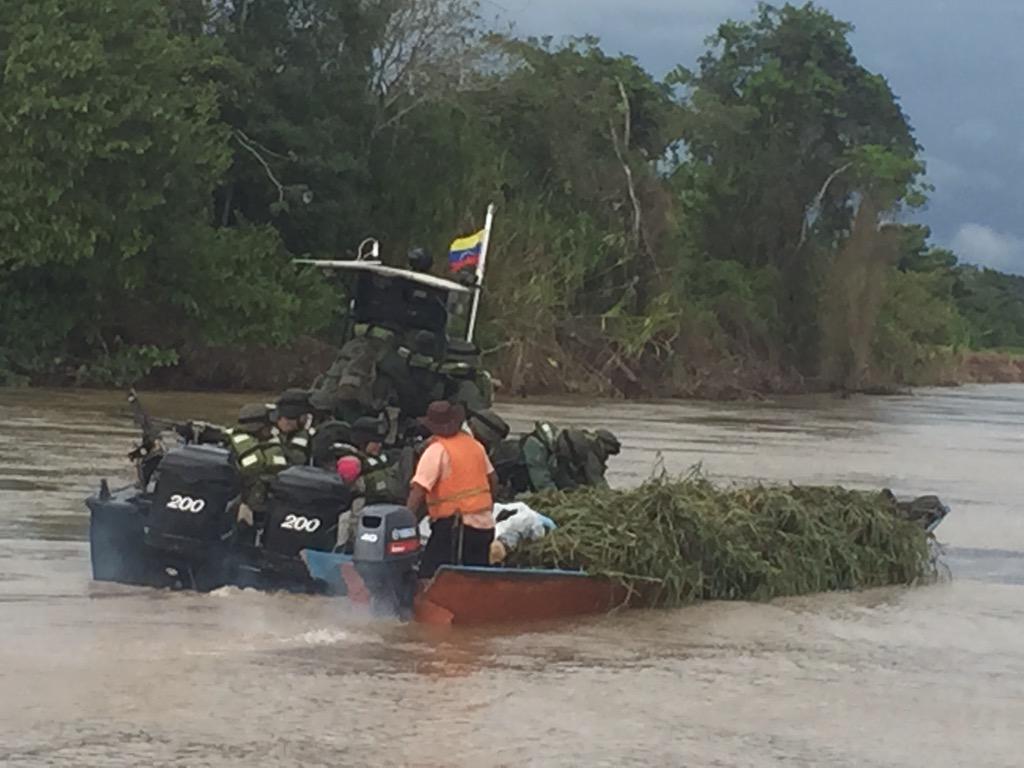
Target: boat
x=174 y=527
x=472 y=595
x=466 y=596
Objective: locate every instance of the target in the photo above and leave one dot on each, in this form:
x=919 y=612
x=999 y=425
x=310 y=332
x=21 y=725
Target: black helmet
x=425 y=343
x=488 y=427
x=293 y=404
x=608 y=442
x=329 y=437
x=420 y=259
x=367 y=429
x=253 y=416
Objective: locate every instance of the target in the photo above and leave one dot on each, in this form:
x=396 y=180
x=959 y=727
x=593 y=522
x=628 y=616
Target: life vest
x=255 y=456
x=382 y=481
x=466 y=490
x=547 y=433
x=297 y=445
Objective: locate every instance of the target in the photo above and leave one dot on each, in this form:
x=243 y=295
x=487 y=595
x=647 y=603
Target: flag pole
x=480 y=267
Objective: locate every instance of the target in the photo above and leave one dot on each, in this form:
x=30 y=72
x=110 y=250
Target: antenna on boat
x=369 y=250
x=480 y=267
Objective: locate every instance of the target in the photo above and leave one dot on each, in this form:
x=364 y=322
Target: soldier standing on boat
x=259 y=456
x=454 y=483
x=291 y=416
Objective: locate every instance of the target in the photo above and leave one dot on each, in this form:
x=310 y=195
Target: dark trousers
x=443 y=546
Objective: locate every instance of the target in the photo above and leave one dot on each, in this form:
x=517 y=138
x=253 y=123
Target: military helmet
x=488 y=427
x=367 y=429
x=293 y=404
x=420 y=259
x=253 y=416
x=329 y=437
x=425 y=343
x=608 y=442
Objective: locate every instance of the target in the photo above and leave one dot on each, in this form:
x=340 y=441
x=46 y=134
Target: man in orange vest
x=455 y=481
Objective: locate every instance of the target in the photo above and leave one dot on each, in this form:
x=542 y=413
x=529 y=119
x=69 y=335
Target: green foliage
x=992 y=304
x=123 y=366
x=112 y=146
x=919 y=328
x=785 y=130
x=670 y=542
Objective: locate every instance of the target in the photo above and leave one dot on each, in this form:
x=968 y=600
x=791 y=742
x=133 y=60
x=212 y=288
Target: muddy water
x=105 y=675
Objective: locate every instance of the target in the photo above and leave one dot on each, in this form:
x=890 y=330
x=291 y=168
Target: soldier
x=375 y=476
x=466 y=382
x=417 y=382
x=605 y=445
x=259 y=456
x=352 y=386
x=505 y=454
x=582 y=459
x=538 y=449
x=385 y=474
x=565 y=459
x=291 y=415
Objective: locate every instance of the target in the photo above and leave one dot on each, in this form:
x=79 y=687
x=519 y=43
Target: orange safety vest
x=466 y=490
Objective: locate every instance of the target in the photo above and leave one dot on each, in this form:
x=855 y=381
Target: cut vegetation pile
x=671 y=542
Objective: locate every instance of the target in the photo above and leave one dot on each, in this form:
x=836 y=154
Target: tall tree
x=786 y=129
x=111 y=149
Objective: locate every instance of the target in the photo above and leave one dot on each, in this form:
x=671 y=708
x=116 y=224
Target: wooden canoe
x=466 y=595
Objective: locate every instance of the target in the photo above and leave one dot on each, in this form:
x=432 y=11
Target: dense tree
x=111 y=148
x=785 y=130
x=161 y=162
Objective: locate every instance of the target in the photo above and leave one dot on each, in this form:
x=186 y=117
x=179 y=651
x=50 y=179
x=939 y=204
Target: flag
x=465 y=251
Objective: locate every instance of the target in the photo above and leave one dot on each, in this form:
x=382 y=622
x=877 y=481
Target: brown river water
x=107 y=675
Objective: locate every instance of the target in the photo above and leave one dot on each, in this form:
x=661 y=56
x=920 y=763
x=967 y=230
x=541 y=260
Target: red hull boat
x=465 y=595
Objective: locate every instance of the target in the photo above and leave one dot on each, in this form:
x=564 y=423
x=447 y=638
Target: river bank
x=273 y=369
x=693 y=376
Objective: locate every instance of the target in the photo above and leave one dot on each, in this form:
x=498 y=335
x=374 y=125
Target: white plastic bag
x=524 y=524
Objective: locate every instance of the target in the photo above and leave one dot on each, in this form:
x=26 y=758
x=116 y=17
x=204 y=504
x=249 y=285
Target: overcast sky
x=957 y=65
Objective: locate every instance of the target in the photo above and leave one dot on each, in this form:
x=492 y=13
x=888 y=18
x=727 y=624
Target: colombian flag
x=465 y=251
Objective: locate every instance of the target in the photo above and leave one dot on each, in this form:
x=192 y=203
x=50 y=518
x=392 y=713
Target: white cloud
x=986 y=247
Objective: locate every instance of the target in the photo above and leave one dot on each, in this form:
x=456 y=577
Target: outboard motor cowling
x=385 y=553
x=304 y=506
x=195 y=487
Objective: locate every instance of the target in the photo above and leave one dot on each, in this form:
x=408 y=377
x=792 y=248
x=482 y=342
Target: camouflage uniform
x=297 y=444
x=352 y=386
x=259 y=455
x=568 y=458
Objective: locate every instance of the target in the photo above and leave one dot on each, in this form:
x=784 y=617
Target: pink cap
x=349 y=469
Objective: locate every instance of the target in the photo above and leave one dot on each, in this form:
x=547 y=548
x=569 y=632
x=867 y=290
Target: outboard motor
x=304 y=506
x=190 y=508
x=191 y=517
x=385 y=554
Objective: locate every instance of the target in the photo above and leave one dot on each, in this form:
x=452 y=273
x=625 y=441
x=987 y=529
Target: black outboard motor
x=304 y=506
x=385 y=554
x=191 y=516
x=195 y=488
